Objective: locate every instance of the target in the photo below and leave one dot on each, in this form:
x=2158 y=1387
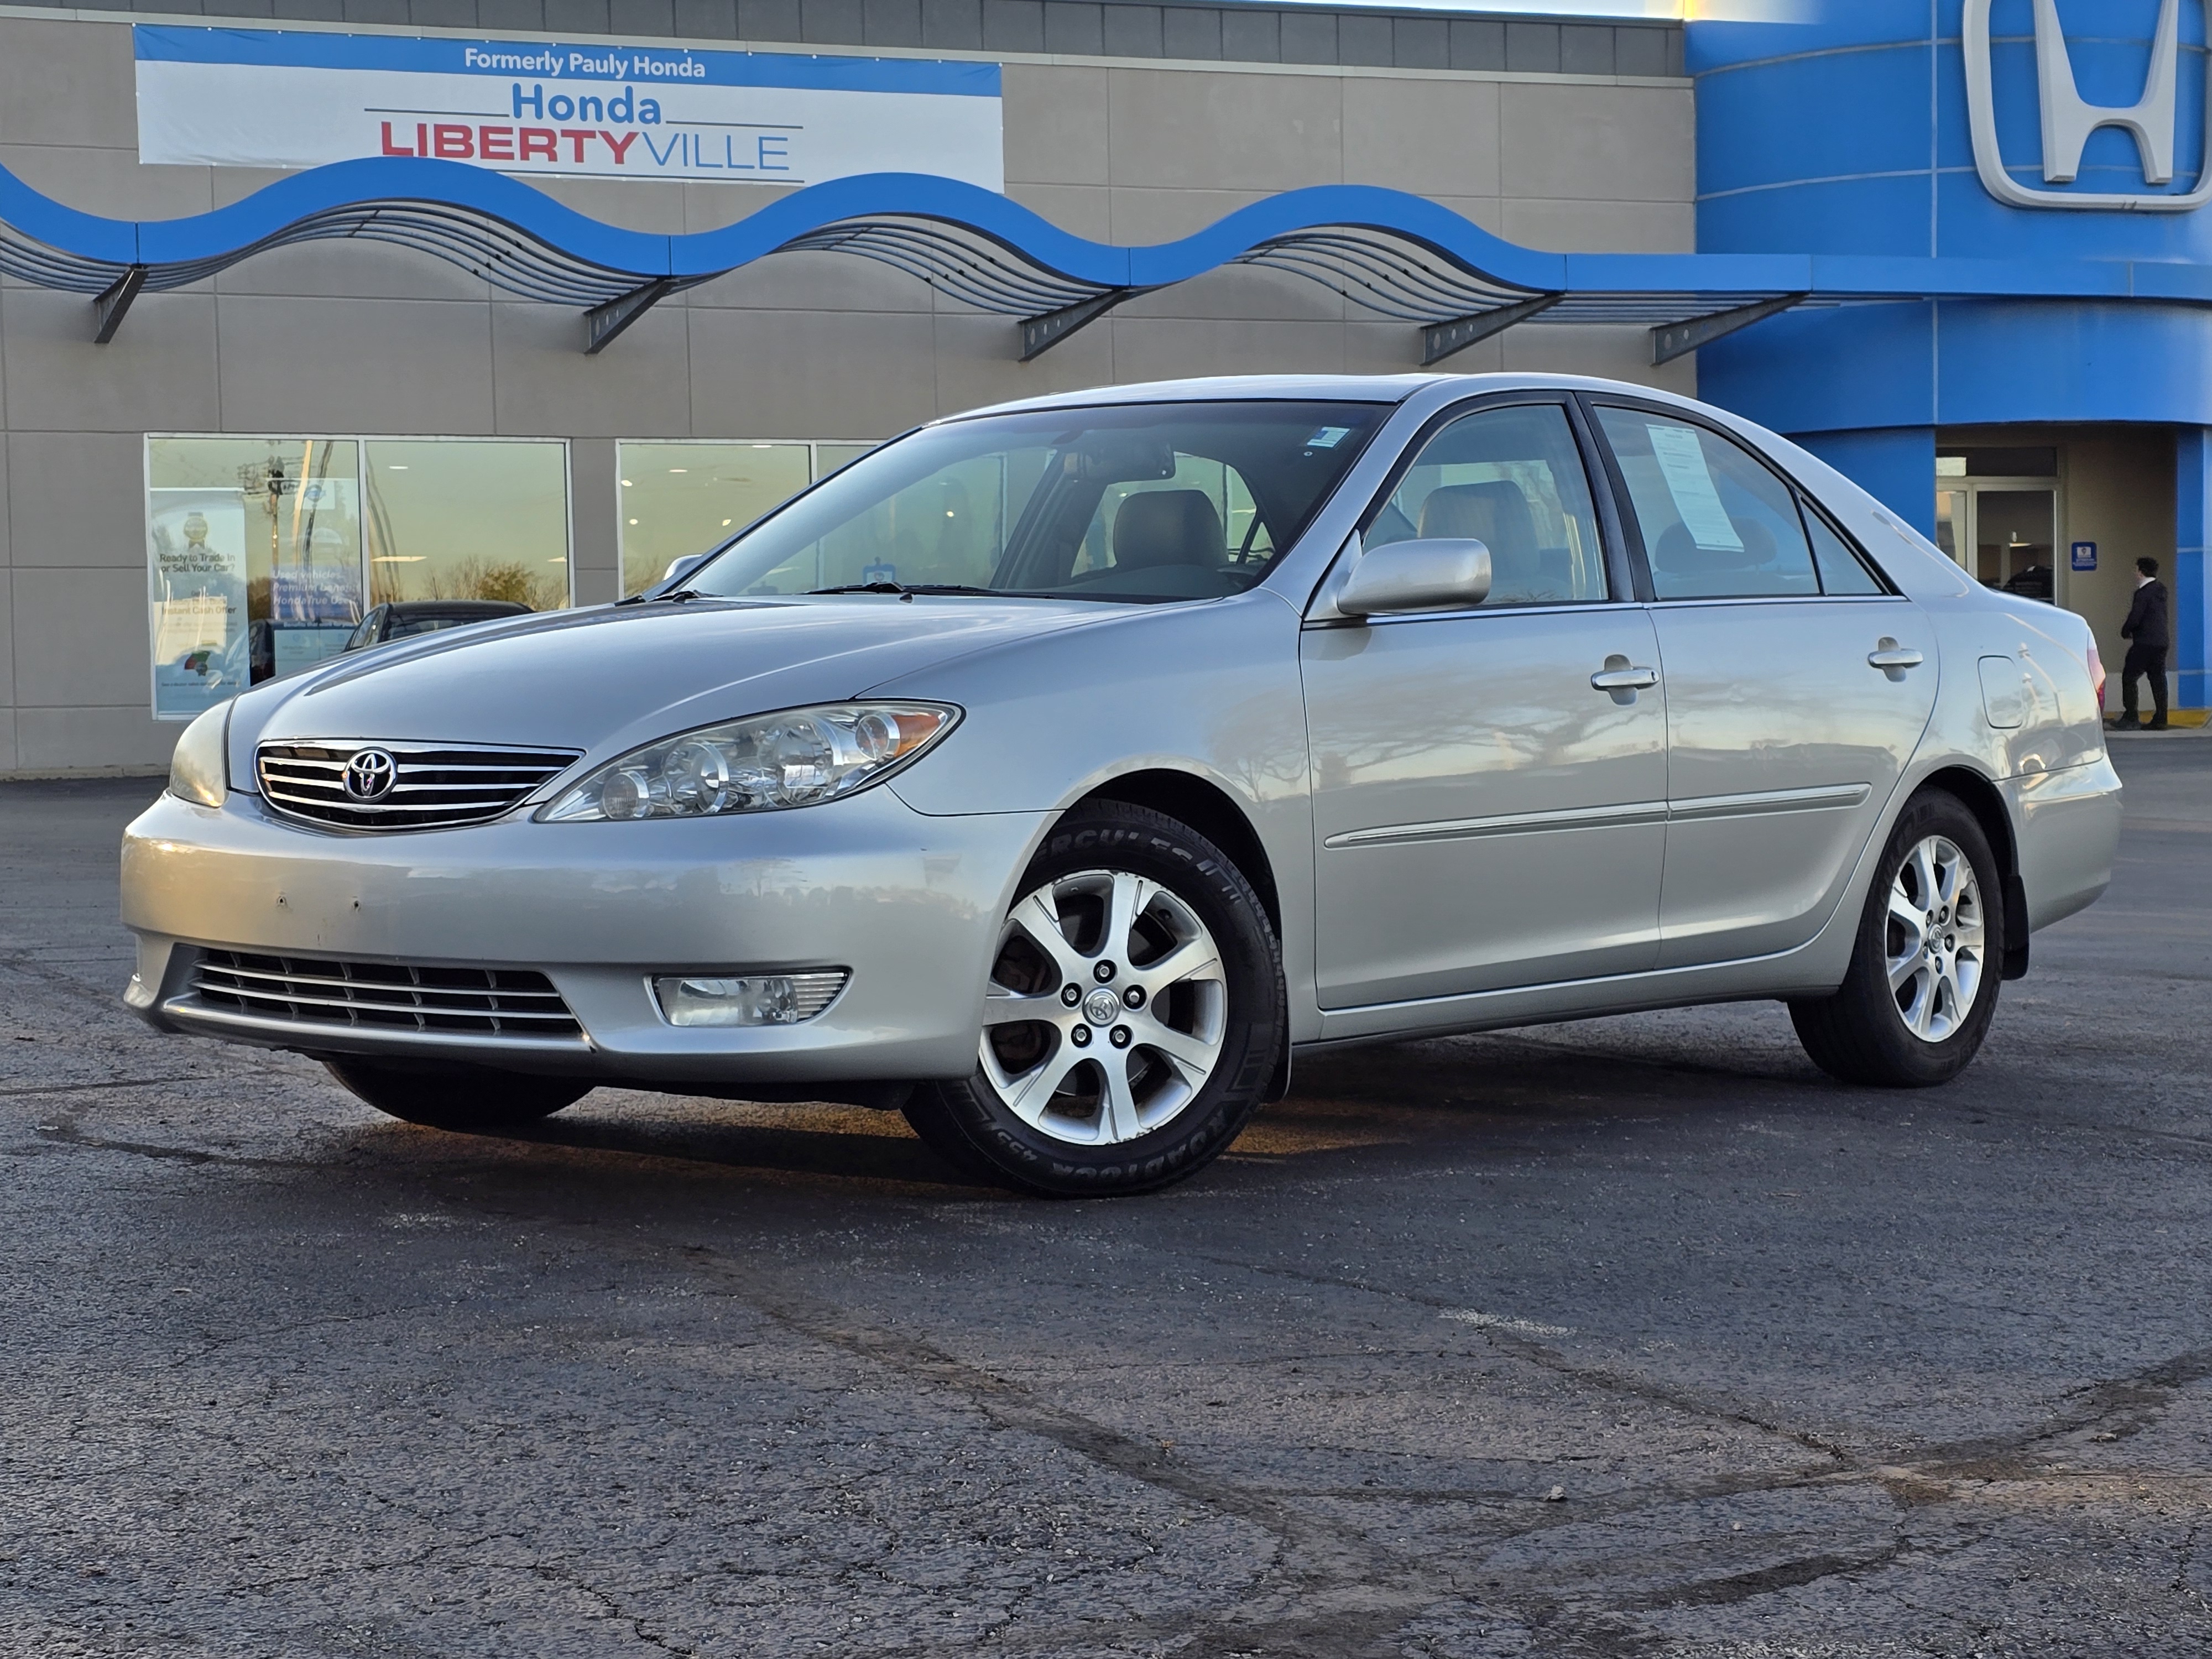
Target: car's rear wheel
x=1133 y=1017
x=1922 y=985
x=470 y=1099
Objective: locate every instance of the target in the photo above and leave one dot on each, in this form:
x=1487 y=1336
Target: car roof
x=1339 y=388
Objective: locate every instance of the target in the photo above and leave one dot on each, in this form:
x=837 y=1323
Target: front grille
x=509 y=1002
x=432 y=786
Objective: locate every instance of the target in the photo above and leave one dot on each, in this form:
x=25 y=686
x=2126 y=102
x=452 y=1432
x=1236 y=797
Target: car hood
x=604 y=679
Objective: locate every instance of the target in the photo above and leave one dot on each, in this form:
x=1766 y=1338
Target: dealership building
x=309 y=306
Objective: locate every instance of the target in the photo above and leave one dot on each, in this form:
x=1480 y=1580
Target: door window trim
x=1632 y=528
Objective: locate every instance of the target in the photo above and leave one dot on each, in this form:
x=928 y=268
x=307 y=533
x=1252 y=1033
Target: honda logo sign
x=2152 y=121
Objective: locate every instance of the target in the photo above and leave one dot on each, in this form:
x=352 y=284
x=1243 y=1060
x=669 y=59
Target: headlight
x=200 y=769
x=764 y=764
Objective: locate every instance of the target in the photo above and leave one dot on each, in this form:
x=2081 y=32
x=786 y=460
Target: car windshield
x=1146 y=501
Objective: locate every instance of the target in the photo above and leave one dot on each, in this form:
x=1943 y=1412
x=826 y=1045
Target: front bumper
x=909 y=904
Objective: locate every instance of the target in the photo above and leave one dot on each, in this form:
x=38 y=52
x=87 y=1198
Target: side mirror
x=1418 y=575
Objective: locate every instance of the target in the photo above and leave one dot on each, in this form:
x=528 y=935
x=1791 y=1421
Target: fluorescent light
x=400 y=558
x=679 y=469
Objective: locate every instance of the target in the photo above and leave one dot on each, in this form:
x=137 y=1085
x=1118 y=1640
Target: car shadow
x=1439 y=1099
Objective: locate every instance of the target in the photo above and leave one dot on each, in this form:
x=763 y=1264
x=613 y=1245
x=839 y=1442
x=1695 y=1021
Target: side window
x=1512 y=479
x=1842 y=570
x=1717 y=524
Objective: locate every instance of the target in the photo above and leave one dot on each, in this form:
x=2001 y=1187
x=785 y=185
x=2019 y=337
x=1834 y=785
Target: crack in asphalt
x=1327 y=1590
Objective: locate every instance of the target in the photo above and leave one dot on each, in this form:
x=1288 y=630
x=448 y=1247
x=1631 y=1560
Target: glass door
x=2015 y=535
x=2004 y=532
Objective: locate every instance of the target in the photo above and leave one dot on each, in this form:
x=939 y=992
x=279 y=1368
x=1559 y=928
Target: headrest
x=1495 y=514
x=1678 y=554
x=1167 y=527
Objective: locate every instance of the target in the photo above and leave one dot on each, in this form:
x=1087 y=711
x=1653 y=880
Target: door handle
x=1894 y=659
x=1621 y=680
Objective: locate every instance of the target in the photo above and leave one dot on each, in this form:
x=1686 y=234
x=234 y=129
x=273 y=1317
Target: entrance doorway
x=2001 y=531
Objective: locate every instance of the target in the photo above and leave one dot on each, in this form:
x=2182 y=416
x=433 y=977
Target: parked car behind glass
x=1233 y=719
x=406 y=618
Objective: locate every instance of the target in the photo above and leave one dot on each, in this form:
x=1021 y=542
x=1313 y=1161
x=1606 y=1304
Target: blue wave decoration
x=1397 y=254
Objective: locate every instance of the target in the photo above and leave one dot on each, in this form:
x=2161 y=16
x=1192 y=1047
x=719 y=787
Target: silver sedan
x=1056 y=773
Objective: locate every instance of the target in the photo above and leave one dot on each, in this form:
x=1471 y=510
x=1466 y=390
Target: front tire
x=1133 y=1019
x=1922 y=984
x=467 y=1099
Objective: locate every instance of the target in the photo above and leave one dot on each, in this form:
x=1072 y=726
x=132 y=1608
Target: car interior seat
x=1495 y=514
x=1678 y=554
x=1168 y=526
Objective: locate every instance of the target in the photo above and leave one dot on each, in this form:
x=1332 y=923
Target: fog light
x=752 y=1000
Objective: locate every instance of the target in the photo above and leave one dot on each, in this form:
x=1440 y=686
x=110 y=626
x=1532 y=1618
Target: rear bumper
x=2069 y=831
x=910 y=905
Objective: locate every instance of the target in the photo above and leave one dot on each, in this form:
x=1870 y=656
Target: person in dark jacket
x=2150 y=635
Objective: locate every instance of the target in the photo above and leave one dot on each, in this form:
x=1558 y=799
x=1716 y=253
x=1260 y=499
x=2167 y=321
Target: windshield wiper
x=881 y=584
x=905 y=590
x=675 y=598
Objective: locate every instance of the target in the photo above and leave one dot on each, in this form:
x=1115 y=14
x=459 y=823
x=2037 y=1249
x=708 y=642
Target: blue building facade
x=2036 y=133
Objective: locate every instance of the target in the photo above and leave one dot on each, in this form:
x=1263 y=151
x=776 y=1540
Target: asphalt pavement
x=1634 y=1337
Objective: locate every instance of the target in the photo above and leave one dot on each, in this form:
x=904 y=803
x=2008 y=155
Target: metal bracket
x=115 y=299
x=602 y=324
x=1673 y=340
x=1440 y=340
x=1041 y=334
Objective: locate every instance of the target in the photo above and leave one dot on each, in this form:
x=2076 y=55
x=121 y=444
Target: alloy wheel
x=1106 y=1010
x=1936 y=938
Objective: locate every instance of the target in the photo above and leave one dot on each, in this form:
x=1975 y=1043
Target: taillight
x=2097 y=676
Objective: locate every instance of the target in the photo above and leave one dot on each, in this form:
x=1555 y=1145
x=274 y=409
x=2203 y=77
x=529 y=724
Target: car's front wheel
x=472 y=1099
x=1133 y=1017
x=1922 y=984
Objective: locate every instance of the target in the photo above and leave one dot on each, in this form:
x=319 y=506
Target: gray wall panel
x=952 y=25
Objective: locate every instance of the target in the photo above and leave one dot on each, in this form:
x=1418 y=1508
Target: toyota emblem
x=370 y=774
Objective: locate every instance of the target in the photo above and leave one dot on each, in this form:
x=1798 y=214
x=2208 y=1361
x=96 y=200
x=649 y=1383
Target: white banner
x=268 y=98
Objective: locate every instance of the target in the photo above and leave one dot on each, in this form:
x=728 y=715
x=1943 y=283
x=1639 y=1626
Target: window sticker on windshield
x=1328 y=437
x=1690 y=481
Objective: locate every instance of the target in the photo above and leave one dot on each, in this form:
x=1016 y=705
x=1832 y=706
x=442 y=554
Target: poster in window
x=197 y=582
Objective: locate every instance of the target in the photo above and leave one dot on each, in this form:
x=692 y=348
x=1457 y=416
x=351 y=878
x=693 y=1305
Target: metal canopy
x=1397 y=256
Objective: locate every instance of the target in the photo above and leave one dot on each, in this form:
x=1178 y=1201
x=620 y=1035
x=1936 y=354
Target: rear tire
x=1922 y=984
x=466 y=1099
x=1133 y=1021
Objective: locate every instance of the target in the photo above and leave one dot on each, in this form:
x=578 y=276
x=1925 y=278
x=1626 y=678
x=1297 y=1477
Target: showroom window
x=484 y=520
x=263 y=553
x=683 y=497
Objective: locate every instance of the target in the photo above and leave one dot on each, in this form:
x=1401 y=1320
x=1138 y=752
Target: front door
x=1797 y=689
x=1485 y=816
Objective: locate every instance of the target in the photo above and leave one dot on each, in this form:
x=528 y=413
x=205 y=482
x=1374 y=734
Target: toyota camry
x=1057 y=773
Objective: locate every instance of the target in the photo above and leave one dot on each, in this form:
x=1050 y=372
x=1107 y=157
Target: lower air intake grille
x=402 y=786
x=505 y=1002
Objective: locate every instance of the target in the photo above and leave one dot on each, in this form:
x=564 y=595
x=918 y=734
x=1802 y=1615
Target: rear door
x=1797 y=687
